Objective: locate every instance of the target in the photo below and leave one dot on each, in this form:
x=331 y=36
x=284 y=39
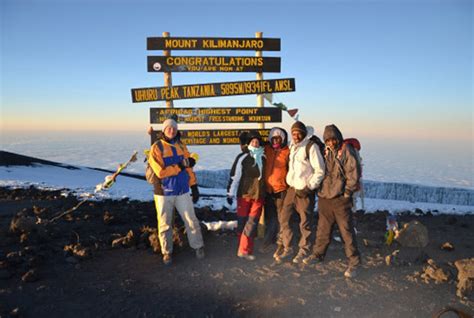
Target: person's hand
x=195 y=193
x=188 y=162
x=230 y=200
x=192 y=162
x=181 y=165
x=303 y=192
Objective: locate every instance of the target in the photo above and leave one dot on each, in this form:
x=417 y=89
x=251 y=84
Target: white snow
x=83 y=181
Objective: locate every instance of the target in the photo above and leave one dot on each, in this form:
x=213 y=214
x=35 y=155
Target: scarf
x=257 y=154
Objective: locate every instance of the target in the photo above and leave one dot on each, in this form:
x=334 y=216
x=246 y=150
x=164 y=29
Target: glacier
x=372 y=189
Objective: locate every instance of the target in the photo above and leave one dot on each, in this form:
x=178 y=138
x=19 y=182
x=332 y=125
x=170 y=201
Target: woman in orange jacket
x=277 y=157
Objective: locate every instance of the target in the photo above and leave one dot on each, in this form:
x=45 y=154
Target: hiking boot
x=167 y=260
x=312 y=259
x=200 y=253
x=248 y=257
x=299 y=257
x=284 y=255
x=351 y=272
x=278 y=251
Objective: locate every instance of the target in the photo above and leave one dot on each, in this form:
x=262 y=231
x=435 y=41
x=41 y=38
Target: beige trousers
x=165 y=206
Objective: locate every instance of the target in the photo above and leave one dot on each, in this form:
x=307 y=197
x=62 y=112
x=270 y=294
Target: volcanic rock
x=465 y=284
x=413 y=234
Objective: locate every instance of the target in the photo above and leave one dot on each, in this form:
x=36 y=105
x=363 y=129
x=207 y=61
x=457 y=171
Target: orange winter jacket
x=164 y=162
x=276 y=168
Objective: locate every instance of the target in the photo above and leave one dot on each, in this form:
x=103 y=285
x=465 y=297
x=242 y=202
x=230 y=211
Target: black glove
x=303 y=192
x=195 y=193
x=181 y=165
x=230 y=200
x=188 y=162
x=192 y=162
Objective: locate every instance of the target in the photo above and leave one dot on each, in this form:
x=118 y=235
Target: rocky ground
x=102 y=260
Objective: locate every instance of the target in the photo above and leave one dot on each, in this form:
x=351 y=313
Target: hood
x=279 y=132
x=331 y=131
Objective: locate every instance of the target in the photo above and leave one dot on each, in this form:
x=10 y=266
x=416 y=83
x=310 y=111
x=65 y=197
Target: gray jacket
x=342 y=169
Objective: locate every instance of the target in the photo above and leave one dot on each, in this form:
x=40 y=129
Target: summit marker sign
x=152 y=94
x=205 y=43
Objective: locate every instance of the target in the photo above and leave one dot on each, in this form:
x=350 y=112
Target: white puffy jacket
x=304 y=172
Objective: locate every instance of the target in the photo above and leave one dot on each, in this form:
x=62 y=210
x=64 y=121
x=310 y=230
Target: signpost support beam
x=260 y=103
x=260 y=100
x=168 y=80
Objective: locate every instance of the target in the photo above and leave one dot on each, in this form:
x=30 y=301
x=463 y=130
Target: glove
x=181 y=166
x=303 y=192
x=188 y=162
x=230 y=200
x=195 y=193
x=192 y=162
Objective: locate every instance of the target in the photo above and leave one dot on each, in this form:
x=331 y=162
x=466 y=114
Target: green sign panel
x=213 y=136
x=217 y=115
x=213 y=64
x=203 y=43
x=152 y=94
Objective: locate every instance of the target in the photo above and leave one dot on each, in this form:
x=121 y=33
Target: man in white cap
x=170 y=160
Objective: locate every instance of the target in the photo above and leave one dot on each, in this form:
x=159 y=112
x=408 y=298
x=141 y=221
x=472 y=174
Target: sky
x=386 y=69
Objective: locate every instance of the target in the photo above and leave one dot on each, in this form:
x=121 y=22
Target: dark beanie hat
x=254 y=134
x=243 y=137
x=299 y=126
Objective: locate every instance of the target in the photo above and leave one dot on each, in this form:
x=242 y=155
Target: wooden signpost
x=168 y=64
x=152 y=94
x=217 y=115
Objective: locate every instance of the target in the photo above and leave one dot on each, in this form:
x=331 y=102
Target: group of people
x=275 y=177
x=284 y=179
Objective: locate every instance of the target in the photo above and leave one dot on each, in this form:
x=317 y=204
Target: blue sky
x=392 y=69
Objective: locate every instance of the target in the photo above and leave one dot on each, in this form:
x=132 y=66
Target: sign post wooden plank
x=206 y=137
x=260 y=100
x=211 y=43
x=213 y=64
x=151 y=94
x=217 y=115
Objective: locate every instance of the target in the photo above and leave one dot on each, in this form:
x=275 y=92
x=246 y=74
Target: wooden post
x=260 y=100
x=168 y=80
x=260 y=103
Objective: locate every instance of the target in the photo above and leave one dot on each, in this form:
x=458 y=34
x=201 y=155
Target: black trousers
x=273 y=206
x=339 y=211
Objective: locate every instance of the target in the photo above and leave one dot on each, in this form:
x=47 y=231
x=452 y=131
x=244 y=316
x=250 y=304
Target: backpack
x=315 y=140
x=355 y=144
x=150 y=175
